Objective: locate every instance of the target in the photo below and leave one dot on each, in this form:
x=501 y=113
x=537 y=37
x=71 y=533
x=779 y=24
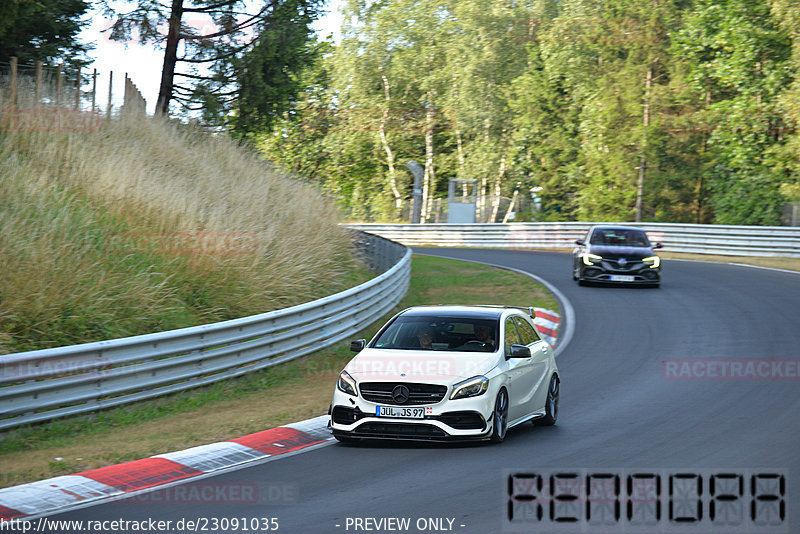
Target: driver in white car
x=484 y=334
x=425 y=337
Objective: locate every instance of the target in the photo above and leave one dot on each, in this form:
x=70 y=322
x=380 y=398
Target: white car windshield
x=456 y=334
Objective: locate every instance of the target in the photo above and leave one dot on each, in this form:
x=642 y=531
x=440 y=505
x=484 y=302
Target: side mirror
x=580 y=242
x=520 y=351
x=358 y=345
x=657 y=246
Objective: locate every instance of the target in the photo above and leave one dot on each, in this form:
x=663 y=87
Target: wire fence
x=40 y=86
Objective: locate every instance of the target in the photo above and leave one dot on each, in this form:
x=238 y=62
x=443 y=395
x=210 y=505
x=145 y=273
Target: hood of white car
x=428 y=366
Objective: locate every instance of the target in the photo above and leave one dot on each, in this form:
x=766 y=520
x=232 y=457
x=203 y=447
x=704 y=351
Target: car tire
x=551 y=405
x=500 y=417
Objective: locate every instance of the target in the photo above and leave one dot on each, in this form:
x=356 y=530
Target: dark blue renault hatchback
x=616 y=255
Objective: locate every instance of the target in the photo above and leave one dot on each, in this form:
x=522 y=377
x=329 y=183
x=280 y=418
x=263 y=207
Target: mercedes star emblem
x=400 y=394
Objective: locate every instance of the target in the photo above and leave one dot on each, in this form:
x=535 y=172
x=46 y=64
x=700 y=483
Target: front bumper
x=462 y=419
x=605 y=273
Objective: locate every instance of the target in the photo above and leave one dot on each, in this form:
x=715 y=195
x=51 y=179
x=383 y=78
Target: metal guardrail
x=695 y=238
x=45 y=384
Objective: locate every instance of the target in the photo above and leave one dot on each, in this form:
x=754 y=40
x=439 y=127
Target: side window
x=511 y=335
x=526 y=331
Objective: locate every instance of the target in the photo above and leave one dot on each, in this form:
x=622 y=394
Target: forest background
x=615 y=110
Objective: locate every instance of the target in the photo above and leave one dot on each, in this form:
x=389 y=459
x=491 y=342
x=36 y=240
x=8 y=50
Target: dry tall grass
x=136 y=225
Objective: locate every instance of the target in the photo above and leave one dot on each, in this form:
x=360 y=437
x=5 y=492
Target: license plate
x=405 y=413
x=622 y=278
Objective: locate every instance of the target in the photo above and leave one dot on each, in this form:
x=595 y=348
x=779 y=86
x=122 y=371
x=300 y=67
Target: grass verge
x=791 y=264
x=286 y=393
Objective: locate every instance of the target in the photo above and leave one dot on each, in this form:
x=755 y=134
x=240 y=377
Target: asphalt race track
x=633 y=401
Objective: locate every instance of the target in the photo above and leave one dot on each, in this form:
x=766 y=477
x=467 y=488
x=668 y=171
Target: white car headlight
x=346 y=383
x=591 y=259
x=652 y=261
x=472 y=387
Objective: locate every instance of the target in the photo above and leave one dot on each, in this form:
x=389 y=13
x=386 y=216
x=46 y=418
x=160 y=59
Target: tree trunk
x=511 y=206
x=425 y=187
x=497 y=190
x=643 y=159
x=483 y=193
x=481 y=208
x=398 y=199
x=429 y=186
x=699 y=188
x=170 y=58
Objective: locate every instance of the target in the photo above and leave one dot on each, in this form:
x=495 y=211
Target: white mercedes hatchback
x=447 y=372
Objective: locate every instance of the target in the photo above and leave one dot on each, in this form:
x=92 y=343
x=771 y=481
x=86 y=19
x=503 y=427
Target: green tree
x=739 y=59
x=787 y=13
x=43 y=30
x=386 y=87
x=236 y=62
x=676 y=110
x=268 y=76
x=546 y=122
x=618 y=62
x=486 y=53
x=296 y=139
x=427 y=80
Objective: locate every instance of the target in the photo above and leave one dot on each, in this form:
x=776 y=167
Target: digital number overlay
x=688 y=501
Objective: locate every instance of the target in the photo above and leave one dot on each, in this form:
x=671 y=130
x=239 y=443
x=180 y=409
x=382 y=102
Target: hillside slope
x=136 y=225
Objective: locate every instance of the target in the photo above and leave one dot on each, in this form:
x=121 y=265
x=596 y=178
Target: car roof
x=615 y=227
x=473 y=312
